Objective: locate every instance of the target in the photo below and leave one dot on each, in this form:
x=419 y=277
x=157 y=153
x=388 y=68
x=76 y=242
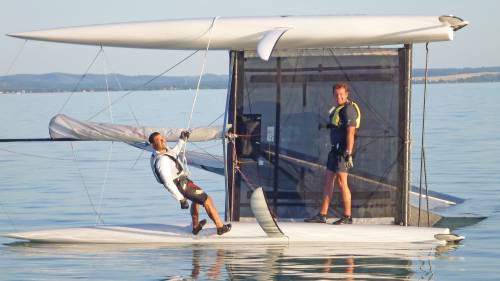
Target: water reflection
x=236 y=262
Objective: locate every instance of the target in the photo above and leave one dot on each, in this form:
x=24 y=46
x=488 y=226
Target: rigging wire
x=423 y=169
x=216 y=119
x=110 y=152
x=75 y=160
x=9 y=218
x=208 y=153
x=16 y=57
x=144 y=84
x=111 y=70
x=106 y=71
x=106 y=175
x=80 y=80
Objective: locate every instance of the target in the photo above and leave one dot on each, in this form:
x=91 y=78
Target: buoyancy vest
x=335 y=114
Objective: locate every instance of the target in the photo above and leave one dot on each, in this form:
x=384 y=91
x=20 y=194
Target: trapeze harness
x=155 y=160
x=186 y=187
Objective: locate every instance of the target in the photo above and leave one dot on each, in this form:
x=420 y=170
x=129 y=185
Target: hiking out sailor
x=169 y=171
x=344 y=120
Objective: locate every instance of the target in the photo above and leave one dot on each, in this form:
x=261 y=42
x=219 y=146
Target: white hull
x=241 y=233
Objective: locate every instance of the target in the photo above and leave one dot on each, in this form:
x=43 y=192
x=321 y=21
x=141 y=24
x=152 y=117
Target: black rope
x=423 y=170
x=38 y=140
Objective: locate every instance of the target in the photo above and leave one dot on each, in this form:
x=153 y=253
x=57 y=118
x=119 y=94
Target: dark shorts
x=191 y=191
x=336 y=162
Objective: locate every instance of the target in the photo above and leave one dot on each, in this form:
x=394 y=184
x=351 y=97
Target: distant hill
x=458 y=75
x=64 y=82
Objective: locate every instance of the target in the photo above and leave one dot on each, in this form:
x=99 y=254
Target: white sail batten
x=245 y=33
x=63 y=127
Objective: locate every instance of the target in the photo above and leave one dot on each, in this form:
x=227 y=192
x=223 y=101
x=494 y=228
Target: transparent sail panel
x=282 y=146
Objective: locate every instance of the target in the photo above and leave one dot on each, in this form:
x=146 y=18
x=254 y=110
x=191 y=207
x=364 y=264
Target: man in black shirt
x=344 y=120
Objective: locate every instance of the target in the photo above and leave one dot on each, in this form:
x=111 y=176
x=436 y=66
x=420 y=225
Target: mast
x=405 y=69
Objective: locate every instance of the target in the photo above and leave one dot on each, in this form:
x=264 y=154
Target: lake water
x=41 y=187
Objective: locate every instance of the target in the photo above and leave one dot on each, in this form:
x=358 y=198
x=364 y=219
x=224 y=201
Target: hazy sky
x=474 y=46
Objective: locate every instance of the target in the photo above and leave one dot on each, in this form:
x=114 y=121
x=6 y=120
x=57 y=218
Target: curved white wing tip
x=268 y=42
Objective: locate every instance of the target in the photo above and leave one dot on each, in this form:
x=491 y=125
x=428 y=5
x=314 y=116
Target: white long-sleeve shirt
x=165 y=169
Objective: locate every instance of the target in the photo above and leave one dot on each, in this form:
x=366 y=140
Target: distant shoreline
x=64 y=82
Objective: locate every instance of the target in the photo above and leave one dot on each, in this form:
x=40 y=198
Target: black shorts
x=336 y=162
x=191 y=191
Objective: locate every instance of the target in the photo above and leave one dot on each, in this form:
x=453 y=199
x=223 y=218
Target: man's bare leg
x=327 y=198
x=345 y=191
x=327 y=192
x=194 y=214
x=212 y=212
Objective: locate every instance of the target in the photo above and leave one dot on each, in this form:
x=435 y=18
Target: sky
x=473 y=46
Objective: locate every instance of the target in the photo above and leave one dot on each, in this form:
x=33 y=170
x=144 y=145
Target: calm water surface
x=41 y=187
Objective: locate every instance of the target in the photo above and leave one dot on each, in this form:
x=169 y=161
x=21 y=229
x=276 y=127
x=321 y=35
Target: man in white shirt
x=169 y=171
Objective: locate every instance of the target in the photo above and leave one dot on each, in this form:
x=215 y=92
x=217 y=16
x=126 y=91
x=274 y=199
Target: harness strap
x=178 y=166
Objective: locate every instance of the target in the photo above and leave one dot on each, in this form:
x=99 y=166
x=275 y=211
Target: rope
x=144 y=84
x=202 y=71
x=84 y=184
x=251 y=185
x=80 y=80
x=423 y=170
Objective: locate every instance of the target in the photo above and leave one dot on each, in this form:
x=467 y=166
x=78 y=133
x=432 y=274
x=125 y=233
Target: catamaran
x=281 y=72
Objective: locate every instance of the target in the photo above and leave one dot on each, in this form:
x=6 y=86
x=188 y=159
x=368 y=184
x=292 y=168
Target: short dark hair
x=341 y=85
x=153 y=136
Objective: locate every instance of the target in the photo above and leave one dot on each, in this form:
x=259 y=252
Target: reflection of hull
x=241 y=233
x=322 y=261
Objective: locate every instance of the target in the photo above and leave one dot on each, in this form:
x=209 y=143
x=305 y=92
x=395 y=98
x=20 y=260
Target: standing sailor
x=169 y=171
x=344 y=120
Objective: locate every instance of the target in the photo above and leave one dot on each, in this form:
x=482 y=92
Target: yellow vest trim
x=336 y=115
